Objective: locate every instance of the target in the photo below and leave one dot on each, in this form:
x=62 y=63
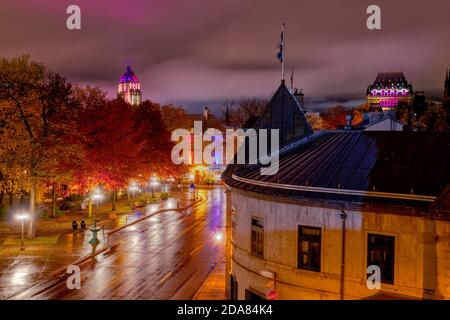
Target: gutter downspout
x=343 y=217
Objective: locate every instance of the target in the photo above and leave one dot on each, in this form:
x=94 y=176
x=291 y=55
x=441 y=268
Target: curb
x=211 y=271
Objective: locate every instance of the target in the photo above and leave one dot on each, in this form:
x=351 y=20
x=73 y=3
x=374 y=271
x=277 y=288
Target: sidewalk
x=214 y=286
x=20 y=269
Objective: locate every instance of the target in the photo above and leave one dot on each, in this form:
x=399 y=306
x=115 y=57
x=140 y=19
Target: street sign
x=272 y=294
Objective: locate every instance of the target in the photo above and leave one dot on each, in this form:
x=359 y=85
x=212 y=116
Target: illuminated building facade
x=342 y=203
x=206 y=173
x=389 y=90
x=129 y=87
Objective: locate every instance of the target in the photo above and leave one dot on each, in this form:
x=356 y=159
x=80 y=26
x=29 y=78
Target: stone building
x=341 y=203
x=206 y=173
x=388 y=91
x=129 y=87
x=380 y=121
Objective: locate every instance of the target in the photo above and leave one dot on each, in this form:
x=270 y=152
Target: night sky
x=206 y=51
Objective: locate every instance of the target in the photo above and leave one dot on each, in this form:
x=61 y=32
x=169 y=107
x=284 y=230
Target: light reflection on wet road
x=167 y=256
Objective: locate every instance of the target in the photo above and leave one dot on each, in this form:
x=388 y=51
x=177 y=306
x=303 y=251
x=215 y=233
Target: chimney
x=227 y=118
x=205 y=113
x=298 y=94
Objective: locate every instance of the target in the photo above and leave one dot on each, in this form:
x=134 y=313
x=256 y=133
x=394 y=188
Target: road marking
x=165 y=277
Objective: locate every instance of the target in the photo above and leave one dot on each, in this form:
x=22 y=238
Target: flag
x=281 y=48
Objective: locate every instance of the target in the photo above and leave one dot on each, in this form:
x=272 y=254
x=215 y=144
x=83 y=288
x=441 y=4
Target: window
x=380 y=252
x=309 y=248
x=233 y=288
x=258 y=237
x=251 y=295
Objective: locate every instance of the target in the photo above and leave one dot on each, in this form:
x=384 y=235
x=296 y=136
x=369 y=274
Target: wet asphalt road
x=167 y=256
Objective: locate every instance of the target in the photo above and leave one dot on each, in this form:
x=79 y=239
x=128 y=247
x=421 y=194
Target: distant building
x=389 y=90
x=129 y=87
x=284 y=113
x=206 y=173
x=379 y=121
x=342 y=203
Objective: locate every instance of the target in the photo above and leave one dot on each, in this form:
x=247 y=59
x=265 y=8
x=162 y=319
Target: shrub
x=164 y=195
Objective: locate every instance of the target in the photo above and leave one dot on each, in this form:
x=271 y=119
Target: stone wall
x=422 y=253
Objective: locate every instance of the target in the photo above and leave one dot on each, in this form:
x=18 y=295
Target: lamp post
x=22 y=217
x=154 y=183
x=133 y=187
x=97 y=196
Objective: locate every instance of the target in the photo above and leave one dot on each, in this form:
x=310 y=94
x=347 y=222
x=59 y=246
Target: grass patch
x=38 y=240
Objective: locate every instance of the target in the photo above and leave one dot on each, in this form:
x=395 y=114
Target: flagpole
x=283 y=51
x=292 y=79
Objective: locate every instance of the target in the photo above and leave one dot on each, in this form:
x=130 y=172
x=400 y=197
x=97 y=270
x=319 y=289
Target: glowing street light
x=133 y=187
x=97 y=196
x=22 y=217
x=218 y=237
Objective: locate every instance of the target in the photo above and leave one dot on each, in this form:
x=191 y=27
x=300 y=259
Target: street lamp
x=96 y=196
x=218 y=237
x=22 y=217
x=133 y=187
x=154 y=183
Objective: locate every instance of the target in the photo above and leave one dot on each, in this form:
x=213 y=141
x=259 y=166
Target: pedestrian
x=83 y=224
x=74 y=225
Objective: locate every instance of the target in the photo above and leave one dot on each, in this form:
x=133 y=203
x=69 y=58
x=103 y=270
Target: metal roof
x=408 y=163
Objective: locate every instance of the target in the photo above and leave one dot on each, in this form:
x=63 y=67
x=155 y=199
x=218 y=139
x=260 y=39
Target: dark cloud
x=199 y=51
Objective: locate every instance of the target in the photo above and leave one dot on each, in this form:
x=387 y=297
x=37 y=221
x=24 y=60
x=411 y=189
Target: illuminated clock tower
x=129 y=87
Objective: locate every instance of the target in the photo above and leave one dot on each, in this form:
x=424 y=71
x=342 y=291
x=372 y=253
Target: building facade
x=388 y=91
x=206 y=173
x=129 y=87
x=318 y=224
x=380 y=121
x=343 y=205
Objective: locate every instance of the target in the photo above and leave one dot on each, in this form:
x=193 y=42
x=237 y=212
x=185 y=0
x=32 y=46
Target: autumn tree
x=174 y=117
x=239 y=112
x=358 y=113
x=334 y=117
x=34 y=99
x=156 y=154
x=315 y=120
x=113 y=145
x=433 y=118
x=13 y=177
